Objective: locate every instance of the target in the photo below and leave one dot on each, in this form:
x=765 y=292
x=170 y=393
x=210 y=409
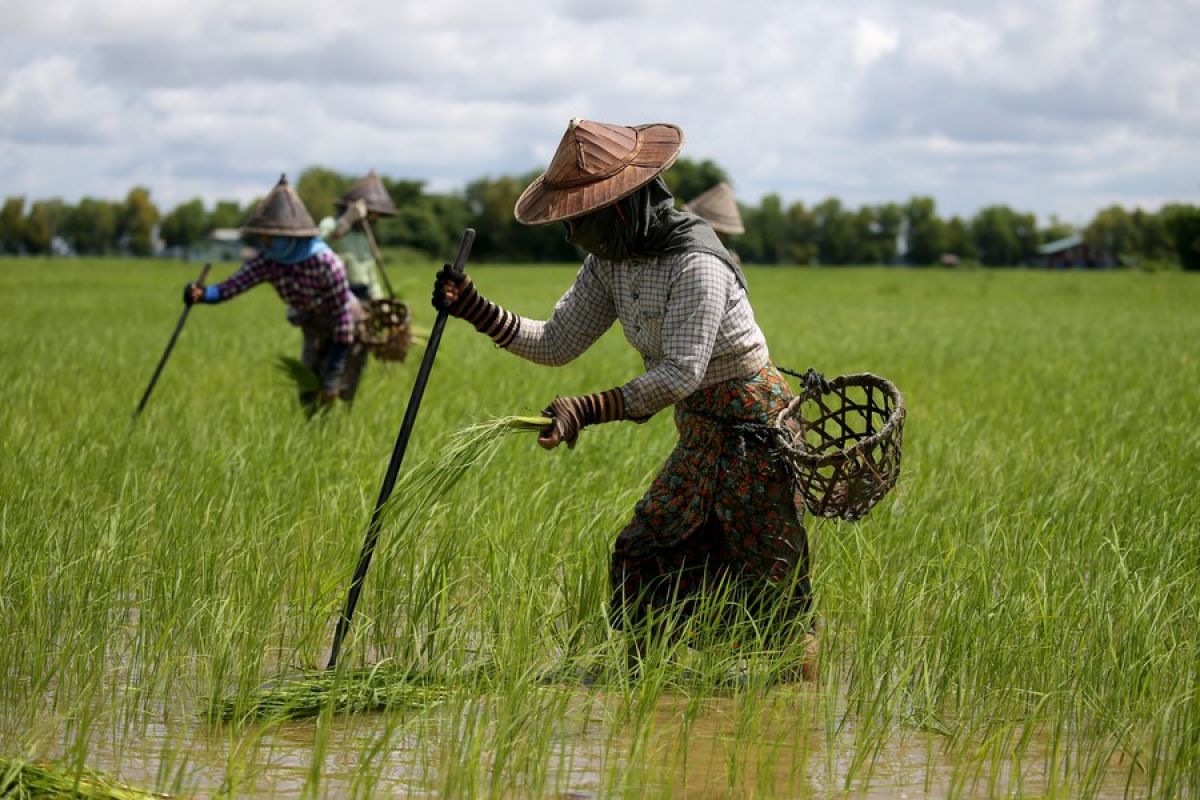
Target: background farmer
x=349 y=238
x=721 y=513
x=311 y=280
x=718 y=207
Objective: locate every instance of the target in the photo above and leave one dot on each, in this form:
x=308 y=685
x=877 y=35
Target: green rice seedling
x=24 y=780
x=381 y=688
x=384 y=686
x=1019 y=617
x=297 y=373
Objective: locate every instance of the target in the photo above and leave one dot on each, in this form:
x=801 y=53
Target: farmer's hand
x=571 y=414
x=354 y=213
x=449 y=288
x=192 y=293
x=455 y=294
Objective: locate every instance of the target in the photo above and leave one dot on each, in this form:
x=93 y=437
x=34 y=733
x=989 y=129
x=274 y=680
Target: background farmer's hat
x=371 y=191
x=281 y=213
x=719 y=207
x=595 y=165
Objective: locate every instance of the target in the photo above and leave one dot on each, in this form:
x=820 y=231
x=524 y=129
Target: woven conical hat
x=371 y=190
x=595 y=165
x=719 y=207
x=281 y=213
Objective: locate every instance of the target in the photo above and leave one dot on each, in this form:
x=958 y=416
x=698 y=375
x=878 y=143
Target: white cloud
x=872 y=41
x=1060 y=106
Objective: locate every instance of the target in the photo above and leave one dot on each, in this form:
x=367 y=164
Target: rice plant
x=1017 y=618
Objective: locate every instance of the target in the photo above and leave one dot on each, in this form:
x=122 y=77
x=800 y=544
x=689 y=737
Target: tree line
x=827 y=232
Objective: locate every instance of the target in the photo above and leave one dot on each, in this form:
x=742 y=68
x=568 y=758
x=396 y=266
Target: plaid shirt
x=316 y=286
x=686 y=314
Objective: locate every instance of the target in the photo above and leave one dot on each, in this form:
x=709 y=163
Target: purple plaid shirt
x=316 y=286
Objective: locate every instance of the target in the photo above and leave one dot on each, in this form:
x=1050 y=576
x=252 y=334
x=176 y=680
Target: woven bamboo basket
x=842 y=438
x=386 y=330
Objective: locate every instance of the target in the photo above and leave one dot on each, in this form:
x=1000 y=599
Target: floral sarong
x=721 y=512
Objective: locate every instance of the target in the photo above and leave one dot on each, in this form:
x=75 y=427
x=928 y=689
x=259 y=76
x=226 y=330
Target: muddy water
x=691 y=748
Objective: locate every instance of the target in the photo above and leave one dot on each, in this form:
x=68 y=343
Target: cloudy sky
x=1049 y=105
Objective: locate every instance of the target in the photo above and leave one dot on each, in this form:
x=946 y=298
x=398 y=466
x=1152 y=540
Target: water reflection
x=570 y=743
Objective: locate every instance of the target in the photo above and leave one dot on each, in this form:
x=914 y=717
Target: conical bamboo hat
x=596 y=165
x=719 y=207
x=281 y=213
x=371 y=190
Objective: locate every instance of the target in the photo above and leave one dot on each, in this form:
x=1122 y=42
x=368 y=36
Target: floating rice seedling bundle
x=22 y=780
x=383 y=688
x=391 y=686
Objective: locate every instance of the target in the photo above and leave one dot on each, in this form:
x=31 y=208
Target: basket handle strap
x=812 y=380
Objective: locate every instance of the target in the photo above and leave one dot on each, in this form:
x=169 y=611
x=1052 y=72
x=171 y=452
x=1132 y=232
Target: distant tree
x=1182 y=223
x=185 y=225
x=228 y=214
x=136 y=222
x=432 y=224
x=957 y=239
x=319 y=188
x=452 y=213
x=688 y=179
x=12 y=225
x=1027 y=235
x=835 y=232
x=877 y=233
x=412 y=222
x=1153 y=241
x=1055 y=229
x=773 y=230
x=403 y=192
x=924 y=232
x=1113 y=230
x=1004 y=237
x=801 y=235
x=41 y=225
x=490 y=202
x=91 y=226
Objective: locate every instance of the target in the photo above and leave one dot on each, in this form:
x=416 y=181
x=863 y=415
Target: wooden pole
x=393 y=469
x=167 y=353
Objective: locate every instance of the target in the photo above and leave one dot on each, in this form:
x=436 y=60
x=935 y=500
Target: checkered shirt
x=686 y=314
x=316 y=286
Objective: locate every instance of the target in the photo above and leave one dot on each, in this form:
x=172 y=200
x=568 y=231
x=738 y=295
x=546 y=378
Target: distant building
x=1072 y=252
x=222 y=244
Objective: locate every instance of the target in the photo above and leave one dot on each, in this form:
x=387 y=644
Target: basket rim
x=854 y=379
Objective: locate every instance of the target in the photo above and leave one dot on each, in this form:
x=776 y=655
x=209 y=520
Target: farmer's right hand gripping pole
x=389 y=480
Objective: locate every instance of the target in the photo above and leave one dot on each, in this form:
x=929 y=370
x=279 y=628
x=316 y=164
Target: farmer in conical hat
x=718 y=207
x=311 y=280
x=361 y=206
x=722 y=513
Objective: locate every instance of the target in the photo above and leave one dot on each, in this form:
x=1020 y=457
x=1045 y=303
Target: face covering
x=292 y=249
x=602 y=233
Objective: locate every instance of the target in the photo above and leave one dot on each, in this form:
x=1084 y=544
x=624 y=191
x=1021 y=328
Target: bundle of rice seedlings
x=22 y=780
x=301 y=376
x=469 y=448
x=380 y=688
x=383 y=686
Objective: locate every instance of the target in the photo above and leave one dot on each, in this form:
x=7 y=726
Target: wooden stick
x=167 y=353
x=393 y=470
x=378 y=258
